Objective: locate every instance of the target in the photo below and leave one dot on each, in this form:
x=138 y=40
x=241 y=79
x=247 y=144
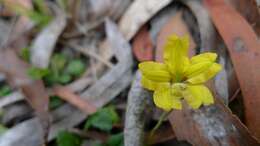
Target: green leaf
x=58 y=62
x=103 y=119
x=37 y=73
x=25 y=54
x=40 y=19
x=64 y=78
x=75 y=67
x=5 y=90
x=68 y=139
x=116 y=140
x=55 y=102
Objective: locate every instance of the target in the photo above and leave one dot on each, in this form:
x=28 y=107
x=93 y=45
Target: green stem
x=159 y=123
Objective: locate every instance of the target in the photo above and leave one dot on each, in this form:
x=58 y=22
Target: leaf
x=68 y=95
x=37 y=73
x=5 y=90
x=131 y=21
x=41 y=20
x=64 y=78
x=175 y=25
x=46 y=40
x=75 y=67
x=25 y=54
x=65 y=138
x=58 y=61
x=103 y=119
x=116 y=140
x=143 y=45
x=244 y=49
x=16 y=71
x=55 y=102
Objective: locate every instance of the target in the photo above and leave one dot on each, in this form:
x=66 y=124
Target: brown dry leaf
x=250 y=10
x=175 y=25
x=34 y=90
x=243 y=47
x=143 y=45
x=68 y=95
x=213 y=125
x=137 y=14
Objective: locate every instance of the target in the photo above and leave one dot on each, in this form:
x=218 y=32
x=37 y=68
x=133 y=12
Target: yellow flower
x=179 y=77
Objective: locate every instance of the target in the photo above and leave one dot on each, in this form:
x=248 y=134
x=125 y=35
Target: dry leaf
x=175 y=25
x=44 y=43
x=137 y=14
x=142 y=45
x=243 y=47
x=34 y=90
x=68 y=95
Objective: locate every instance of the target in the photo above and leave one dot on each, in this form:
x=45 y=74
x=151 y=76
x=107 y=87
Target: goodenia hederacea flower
x=180 y=77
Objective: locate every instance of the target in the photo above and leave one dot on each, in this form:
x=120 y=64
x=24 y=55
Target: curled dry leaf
x=44 y=43
x=213 y=125
x=205 y=26
x=137 y=14
x=244 y=49
x=250 y=10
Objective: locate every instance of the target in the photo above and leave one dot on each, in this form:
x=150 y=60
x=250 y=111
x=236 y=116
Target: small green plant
x=60 y=71
x=65 y=138
x=55 y=102
x=103 y=119
x=5 y=90
x=37 y=73
x=25 y=54
x=75 y=67
x=39 y=14
x=113 y=140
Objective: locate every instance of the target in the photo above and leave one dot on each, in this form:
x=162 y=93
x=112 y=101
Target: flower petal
x=195 y=69
x=196 y=95
x=151 y=85
x=192 y=97
x=206 y=75
x=155 y=71
x=148 y=84
x=204 y=57
x=176 y=54
x=164 y=99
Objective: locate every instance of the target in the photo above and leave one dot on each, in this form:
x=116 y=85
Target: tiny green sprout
x=179 y=77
